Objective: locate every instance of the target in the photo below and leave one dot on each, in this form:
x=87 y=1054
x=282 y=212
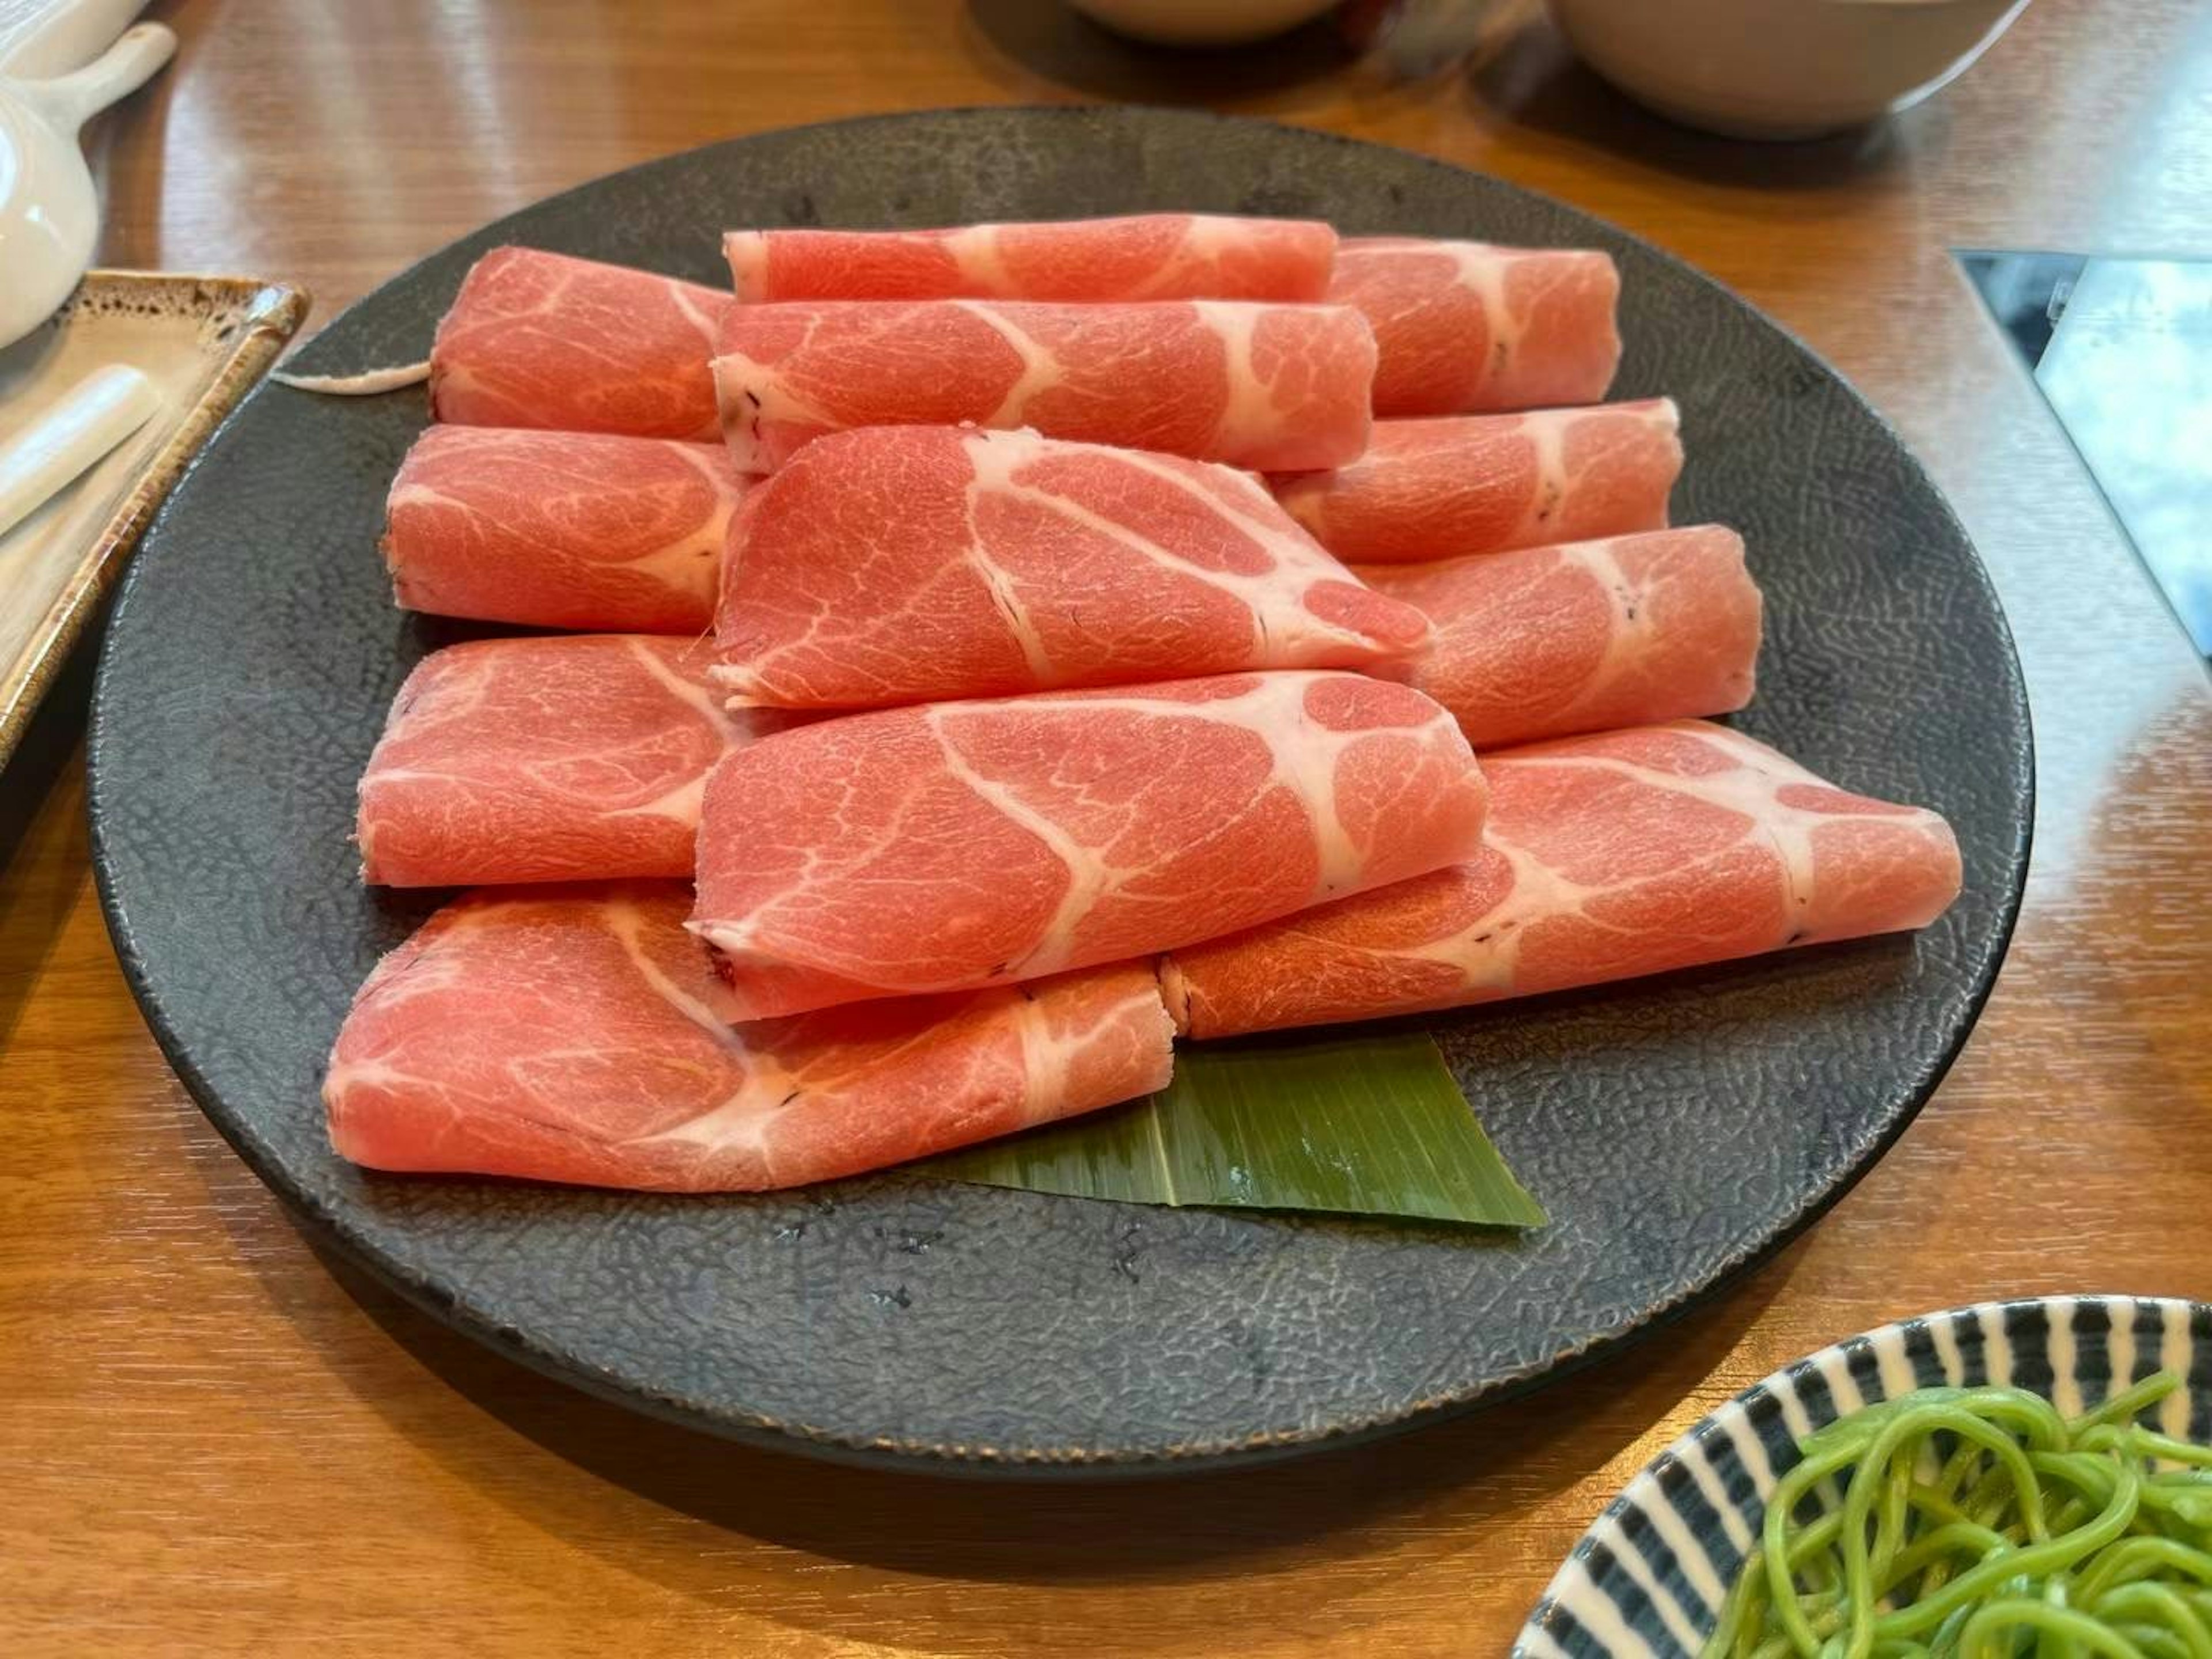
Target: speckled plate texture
x=1676 y=1131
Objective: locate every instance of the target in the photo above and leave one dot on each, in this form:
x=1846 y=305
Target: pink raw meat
x=580 y=1034
x=580 y=530
x=538 y=339
x=967 y=844
x=1481 y=484
x=1463 y=326
x=1546 y=641
x=1606 y=857
x=1154 y=256
x=908 y=563
x=555 y=759
x=1279 y=388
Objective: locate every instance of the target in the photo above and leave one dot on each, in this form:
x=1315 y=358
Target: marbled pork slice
x=1151 y=256
x=1543 y=641
x=538 y=339
x=1606 y=857
x=574 y=530
x=580 y=1034
x=958 y=844
x=908 y=564
x=563 y=758
x=1484 y=484
x=1277 y=388
x=1465 y=327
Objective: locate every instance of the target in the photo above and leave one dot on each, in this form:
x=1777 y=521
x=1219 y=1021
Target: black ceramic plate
x=1675 y=1130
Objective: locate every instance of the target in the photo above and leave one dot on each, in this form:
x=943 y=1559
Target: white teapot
x=49 y=210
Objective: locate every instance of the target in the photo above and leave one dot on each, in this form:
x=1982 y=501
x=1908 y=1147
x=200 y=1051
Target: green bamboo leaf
x=1370 y=1125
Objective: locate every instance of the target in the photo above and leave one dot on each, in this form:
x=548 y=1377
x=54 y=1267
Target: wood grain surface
x=212 y=1441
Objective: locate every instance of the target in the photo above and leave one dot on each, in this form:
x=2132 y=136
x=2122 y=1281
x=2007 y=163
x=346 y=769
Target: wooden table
x=210 y=1439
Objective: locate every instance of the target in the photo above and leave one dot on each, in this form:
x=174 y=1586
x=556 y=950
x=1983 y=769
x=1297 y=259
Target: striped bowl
x=1647 y=1579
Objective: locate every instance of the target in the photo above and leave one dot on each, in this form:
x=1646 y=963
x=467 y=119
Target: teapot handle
x=67 y=102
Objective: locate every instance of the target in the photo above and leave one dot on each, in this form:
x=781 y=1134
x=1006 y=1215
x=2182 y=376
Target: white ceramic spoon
x=72 y=436
x=49 y=211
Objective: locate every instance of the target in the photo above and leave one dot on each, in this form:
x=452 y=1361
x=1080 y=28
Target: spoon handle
x=65 y=441
x=68 y=101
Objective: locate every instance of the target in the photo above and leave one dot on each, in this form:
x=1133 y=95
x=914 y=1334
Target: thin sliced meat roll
x=1277 y=388
x=1465 y=327
x=910 y=564
x=558 y=759
x=1606 y=857
x=1152 y=256
x=1547 y=640
x=538 y=339
x=958 y=844
x=574 y=530
x=582 y=1034
x=1483 y=484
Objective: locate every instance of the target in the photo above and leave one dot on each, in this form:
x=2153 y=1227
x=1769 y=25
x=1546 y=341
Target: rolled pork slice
x=538 y=339
x=960 y=844
x=1153 y=256
x=908 y=564
x=1543 y=642
x=1465 y=327
x=569 y=757
x=1606 y=857
x=1483 y=484
x=1276 y=388
x=582 y=1034
x=573 y=529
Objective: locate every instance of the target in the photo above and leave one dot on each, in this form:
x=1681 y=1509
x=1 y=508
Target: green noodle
x=1978 y=1523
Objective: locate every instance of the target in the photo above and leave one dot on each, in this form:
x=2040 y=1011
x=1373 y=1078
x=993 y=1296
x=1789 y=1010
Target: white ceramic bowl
x=1780 y=69
x=1200 y=22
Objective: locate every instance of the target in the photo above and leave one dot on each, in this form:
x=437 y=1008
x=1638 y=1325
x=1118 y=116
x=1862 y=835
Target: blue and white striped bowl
x=1647 y=1580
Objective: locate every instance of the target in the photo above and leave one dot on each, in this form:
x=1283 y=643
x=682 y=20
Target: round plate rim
x=329 y=1228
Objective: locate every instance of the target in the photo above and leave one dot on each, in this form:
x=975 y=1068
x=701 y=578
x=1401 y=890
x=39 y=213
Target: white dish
x=1780 y=69
x=201 y=341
